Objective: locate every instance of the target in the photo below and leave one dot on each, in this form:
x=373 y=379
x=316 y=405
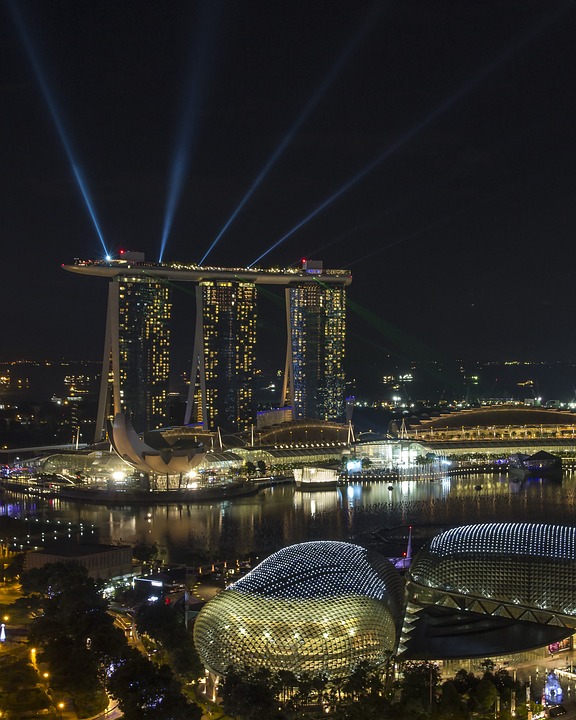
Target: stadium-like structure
x=322 y=607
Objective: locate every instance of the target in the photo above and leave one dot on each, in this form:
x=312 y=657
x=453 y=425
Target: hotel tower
x=137 y=343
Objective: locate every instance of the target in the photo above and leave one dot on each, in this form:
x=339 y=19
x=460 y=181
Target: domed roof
x=316 y=607
x=323 y=568
x=531 y=564
x=491 y=415
x=534 y=539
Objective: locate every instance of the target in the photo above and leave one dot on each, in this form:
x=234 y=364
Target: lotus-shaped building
x=160 y=461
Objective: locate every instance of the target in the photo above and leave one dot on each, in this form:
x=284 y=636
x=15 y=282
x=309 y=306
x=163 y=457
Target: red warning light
x=121 y=252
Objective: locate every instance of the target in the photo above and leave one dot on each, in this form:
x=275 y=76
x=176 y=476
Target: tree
x=248 y=695
x=360 y=681
x=76 y=634
x=465 y=681
x=261 y=465
x=287 y=681
x=420 y=680
x=305 y=687
x=249 y=467
x=15 y=567
x=145 y=552
x=451 y=706
x=487 y=666
x=144 y=691
x=485 y=694
x=166 y=625
x=320 y=683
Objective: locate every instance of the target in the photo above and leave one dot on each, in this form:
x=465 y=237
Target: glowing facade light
x=531 y=564
x=314 y=607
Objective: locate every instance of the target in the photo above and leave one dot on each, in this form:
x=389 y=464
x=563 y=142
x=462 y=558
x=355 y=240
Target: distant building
x=314 y=377
x=220 y=394
x=223 y=362
x=103 y=562
x=136 y=353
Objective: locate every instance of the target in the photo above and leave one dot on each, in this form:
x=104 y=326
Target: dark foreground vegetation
x=89 y=658
x=420 y=693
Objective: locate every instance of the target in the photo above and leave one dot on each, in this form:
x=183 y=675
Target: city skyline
x=137 y=354
x=427 y=146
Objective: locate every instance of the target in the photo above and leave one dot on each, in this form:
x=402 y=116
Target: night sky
x=439 y=135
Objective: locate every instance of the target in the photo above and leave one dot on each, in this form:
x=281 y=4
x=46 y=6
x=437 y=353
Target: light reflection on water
x=280 y=516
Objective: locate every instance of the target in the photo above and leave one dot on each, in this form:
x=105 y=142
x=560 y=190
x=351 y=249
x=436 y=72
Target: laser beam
x=433 y=115
x=200 y=66
x=56 y=117
x=361 y=33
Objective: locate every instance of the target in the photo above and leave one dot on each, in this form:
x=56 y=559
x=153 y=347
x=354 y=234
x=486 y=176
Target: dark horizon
x=426 y=146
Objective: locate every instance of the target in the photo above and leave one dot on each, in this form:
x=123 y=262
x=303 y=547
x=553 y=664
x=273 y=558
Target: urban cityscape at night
x=287 y=382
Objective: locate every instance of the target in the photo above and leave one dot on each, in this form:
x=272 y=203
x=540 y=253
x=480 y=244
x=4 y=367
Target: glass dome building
x=315 y=607
x=492 y=587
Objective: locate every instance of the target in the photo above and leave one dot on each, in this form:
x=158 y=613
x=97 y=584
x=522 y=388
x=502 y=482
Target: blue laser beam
x=361 y=33
x=200 y=66
x=444 y=106
x=56 y=117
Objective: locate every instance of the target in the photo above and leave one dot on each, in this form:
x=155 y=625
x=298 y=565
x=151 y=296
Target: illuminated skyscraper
x=136 y=356
x=136 y=352
x=224 y=355
x=314 y=376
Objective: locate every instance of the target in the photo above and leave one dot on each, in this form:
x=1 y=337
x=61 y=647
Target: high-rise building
x=314 y=376
x=224 y=355
x=220 y=394
x=136 y=352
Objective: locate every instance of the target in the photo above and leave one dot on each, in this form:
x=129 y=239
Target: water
x=281 y=516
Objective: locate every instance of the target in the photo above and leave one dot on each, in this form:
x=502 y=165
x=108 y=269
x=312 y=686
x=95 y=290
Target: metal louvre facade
x=323 y=607
x=526 y=564
x=318 y=607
